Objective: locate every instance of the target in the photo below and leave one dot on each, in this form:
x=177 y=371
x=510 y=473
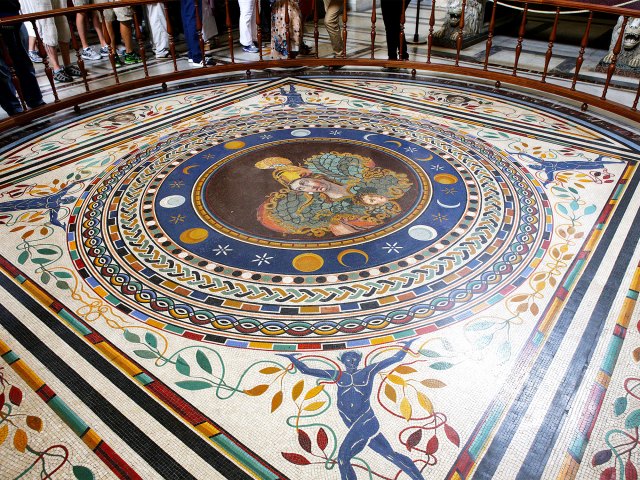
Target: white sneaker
x=164 y=53
x=90 y=54
x=210 y=62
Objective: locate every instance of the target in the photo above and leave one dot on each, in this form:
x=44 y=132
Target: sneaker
x=305 y=49
x=118 y=61
x=104 y=51
x=90 y=54
x=34 y=56
x=250 y=48
x=131 y=58
x=209 y=62
x=73 y=70
x=62 y=76
x=164 y=53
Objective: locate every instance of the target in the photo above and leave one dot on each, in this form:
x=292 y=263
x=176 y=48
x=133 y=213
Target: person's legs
x=333 y=9
x=391 y=17
x=97 y=25
x=190 y=32
x=380 y=445
x=158 y=27
x=247 y=23
x=265 y=19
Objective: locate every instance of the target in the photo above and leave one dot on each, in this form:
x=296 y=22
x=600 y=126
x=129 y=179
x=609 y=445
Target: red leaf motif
x=304 y=440
x=15 y=395
x=608 y=474
x=322 y=439
x=414 y=439
x=295 y=458
x=432 y=445
x=452 y=435
x=1 y=400
x=630 y=471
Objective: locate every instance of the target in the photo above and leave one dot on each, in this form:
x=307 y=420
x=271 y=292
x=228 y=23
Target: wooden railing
x=574 y=88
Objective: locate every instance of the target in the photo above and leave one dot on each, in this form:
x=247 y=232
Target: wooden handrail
x=503 y=74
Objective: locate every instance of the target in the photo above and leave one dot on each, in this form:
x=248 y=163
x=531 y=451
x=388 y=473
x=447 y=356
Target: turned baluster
x=583 y=46
x=634 y=107
x=432 y=22
x=141 y=50
x=9 y=63
x=344 y=29
x=107 y=39
x=614 y=59
x=287 y=28
x=45 y=59
x=492 y=26
x=76 y=46
x=460 y=33
x=521 y=32
x=373 y=31
x=552 y=39
x=172 y=43
x=256 y=8
x=229 y=32
x=402 y=20
x=316 y=32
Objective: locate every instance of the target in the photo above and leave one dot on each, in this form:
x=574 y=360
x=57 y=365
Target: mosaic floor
x=347 y=277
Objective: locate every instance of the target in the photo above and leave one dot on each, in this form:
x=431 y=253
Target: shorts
x=122 y=14
x=79 y=3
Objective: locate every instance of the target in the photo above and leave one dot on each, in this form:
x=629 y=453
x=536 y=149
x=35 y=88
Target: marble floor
x=332 y=275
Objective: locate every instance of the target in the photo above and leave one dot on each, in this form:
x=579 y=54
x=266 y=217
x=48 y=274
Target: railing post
x=45 y=60
x=287 y=28
x=74 y=44
x=583 y=46
x=229 y=32
x=172 y=44
x=460 y=33
x=344 y=28
x=492 y=26
x=256 y=8
x=521 y=32
x=107 y=38
x=141 y=50
x=316 y=33
x=373 y=31
x=552 y=39
x=401 y=43
x=614 y=59
x=432 y=22
x=199 y=33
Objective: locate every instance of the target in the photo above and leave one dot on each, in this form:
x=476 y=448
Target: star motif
x=335 y=132
x=439 y=217
x=177 y=184
x=222 y=250
x=411 y=149
x=208 y=156
x=392 y=247
x=266 y=136
x=450 y=190
x=176 y=219
x=437 y=167
x=264 y=258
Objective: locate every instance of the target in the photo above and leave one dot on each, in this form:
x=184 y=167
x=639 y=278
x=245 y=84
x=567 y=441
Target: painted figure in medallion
x=355 y=386
x=330 y=193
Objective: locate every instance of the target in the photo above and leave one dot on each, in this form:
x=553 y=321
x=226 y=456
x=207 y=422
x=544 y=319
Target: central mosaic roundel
x=332 y=230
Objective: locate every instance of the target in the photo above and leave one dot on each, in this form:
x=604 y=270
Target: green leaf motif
x=574 y=205
x=620 y=405
x=479 y=326
x=150 y=338
x=62 y=274
x=45 y=277
x=130 y=336
x=47 y=251
x=193 y=384
x=145 y=354
x=40 y=260
x=504 y=352
x=429 y=353
x=62 y=285
x=633 y=420
x=182 y=366
x=483 y=341
x=82 y=473
x=203 y=361
x=562 y=209
x=441 y=365
x=23 y=257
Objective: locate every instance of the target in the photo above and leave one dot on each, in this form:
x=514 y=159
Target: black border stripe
x=124 y=427
x=538 y=456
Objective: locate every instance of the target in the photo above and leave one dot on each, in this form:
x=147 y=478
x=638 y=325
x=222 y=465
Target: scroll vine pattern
x=53 y=461
x=401 y=393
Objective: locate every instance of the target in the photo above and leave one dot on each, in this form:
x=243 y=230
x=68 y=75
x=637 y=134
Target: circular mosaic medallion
x=325 y=229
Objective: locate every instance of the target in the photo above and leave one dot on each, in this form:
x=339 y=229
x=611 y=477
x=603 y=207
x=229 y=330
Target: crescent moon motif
x=430 y=157
x=394 y=141
x=444 y=205
x=342 y=254
x=369 y=135
x=185 y=170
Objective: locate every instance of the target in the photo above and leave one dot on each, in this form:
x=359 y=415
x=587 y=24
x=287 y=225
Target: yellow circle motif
x=234 y=145
x=194 y=235
x=307 y=262
x=445 y=178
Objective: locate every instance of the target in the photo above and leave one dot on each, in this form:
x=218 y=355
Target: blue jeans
x=189 y=25
x=23 y=67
